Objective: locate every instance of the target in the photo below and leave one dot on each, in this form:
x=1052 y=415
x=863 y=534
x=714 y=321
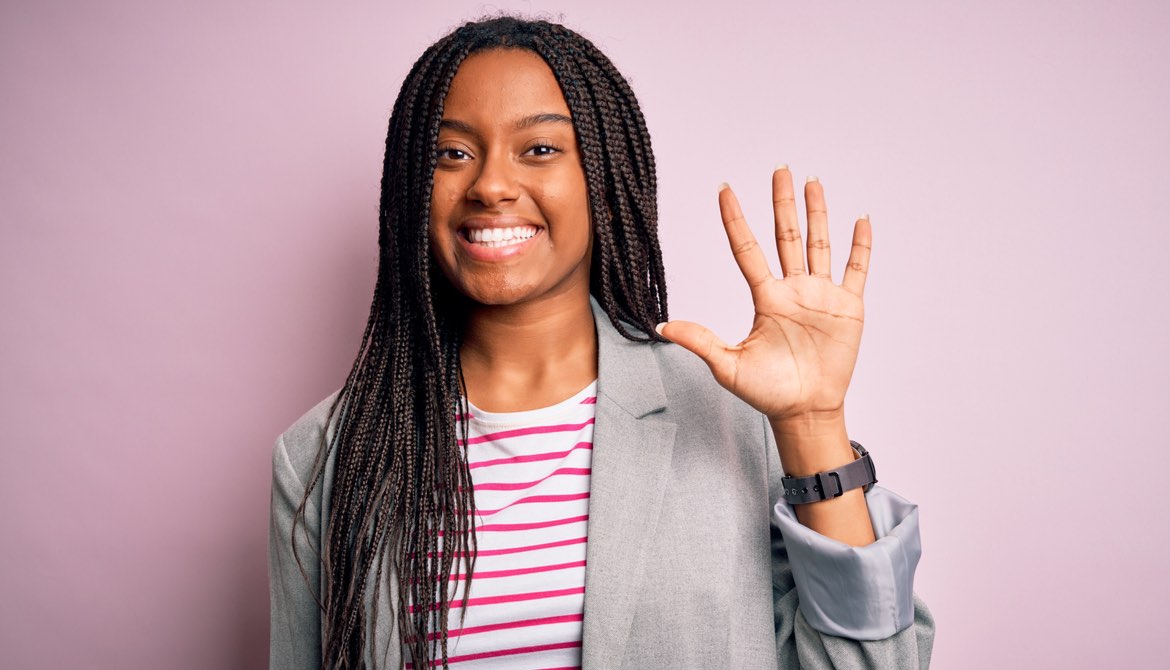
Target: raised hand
x=797 y=361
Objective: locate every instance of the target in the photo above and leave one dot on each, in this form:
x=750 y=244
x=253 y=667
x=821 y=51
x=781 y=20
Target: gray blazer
x=686 y=566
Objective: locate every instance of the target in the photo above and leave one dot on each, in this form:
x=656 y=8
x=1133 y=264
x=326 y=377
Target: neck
x=529 y=355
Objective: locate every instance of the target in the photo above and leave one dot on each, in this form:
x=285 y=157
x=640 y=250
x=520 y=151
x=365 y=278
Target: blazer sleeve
x=295 y=642
x=839 y=607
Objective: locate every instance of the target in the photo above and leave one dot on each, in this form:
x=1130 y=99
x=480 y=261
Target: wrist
x=812 y=442
x=809 y=424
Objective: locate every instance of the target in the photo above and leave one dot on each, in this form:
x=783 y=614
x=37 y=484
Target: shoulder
x=301 y=441
x=678 y=363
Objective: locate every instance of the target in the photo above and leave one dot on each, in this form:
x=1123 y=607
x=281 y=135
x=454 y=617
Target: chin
x=504 y=293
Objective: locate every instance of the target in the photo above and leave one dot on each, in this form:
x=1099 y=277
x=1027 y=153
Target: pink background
x=187 y=202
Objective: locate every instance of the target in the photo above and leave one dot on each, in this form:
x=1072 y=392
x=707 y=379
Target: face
x=510 y=210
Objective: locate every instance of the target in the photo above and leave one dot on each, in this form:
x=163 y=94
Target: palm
x=802 y=348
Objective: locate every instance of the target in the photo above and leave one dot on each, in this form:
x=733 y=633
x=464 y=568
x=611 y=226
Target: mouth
x=493 y=238
x=499 y=242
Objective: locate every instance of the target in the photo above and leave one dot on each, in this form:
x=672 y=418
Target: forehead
x=501 y=85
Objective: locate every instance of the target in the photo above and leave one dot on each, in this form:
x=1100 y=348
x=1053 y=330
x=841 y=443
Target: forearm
x=812 y=444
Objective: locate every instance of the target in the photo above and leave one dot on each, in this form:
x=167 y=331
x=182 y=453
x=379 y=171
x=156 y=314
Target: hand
x=797 y=361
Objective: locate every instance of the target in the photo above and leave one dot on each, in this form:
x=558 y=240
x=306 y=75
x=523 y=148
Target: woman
x=521 y=470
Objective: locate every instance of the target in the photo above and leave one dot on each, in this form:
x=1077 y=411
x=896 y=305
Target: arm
x=851 y=559
x=796 y=363
x=809 y=445
x=295 y=642
x=839 y=606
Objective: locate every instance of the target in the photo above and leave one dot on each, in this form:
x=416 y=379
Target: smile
x=499 y=237
x=497 y=244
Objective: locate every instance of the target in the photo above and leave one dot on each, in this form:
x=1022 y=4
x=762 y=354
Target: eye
x=451 y=153
x=542 y=149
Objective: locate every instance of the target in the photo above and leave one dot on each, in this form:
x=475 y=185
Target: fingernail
x=812 y=179
x=865 y=216
x=781 y=166
x=722 y=185
x=659 y=327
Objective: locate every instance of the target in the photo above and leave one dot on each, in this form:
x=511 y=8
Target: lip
x=492 y=254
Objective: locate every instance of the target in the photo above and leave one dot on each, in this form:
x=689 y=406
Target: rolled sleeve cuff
x=862 y=593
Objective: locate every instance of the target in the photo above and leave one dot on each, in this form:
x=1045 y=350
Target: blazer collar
x=627 y=371
x=632 y=452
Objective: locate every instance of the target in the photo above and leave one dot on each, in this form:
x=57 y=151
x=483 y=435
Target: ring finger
x=819 y=262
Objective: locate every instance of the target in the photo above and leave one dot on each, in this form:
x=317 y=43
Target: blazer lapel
x=631 y=466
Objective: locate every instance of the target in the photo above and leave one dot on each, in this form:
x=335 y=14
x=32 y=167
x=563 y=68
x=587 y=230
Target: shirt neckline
x=531 y=415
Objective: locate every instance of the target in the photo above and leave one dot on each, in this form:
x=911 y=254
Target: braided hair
x=401 y=490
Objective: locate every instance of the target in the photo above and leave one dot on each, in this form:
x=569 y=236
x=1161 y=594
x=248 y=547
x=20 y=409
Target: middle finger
x=787 y=224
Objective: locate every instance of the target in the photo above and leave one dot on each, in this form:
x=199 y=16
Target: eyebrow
x=547 y=117
x=522 y=124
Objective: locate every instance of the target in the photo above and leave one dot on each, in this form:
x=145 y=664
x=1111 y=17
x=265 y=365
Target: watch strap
x=832 y=483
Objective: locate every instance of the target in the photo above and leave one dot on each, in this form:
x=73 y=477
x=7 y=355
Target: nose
x=496 y=182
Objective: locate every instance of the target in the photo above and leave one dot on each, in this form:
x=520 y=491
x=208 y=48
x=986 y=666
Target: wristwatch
x=831 y=483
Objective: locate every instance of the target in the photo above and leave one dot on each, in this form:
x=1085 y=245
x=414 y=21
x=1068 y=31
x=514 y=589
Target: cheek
x=442 y=244
x=438 y=245
x=568 y=204
x=444 y=200
x=440 y=204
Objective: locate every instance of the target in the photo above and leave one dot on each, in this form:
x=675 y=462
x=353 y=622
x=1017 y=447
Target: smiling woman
x=528 y=464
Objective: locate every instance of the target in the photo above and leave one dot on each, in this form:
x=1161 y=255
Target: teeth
x=499 y=237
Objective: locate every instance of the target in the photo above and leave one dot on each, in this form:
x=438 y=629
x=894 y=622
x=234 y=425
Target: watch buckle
x=823 y=478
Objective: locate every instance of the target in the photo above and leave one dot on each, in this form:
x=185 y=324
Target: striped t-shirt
x=531 y=471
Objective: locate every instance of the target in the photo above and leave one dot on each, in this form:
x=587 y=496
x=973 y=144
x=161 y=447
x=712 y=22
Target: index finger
x=744 y=247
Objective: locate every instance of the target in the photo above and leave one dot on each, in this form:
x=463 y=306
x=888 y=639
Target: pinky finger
x=858 y=267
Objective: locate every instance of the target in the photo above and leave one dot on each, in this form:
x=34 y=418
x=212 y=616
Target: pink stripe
x=560 y=497
x=506 y=652
x=530 y=458
x=589 y=401
x=531 y=547
x=522 y=571
x=516 y=486
x=520 y=597
x=534 y=525
x=519 y=550
x=510 y=598
x=532 y=430
x=502 y=527
x=510 y=652
x=488 y=628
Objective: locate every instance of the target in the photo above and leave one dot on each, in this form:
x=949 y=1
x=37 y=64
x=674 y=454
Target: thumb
x=700 y=341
